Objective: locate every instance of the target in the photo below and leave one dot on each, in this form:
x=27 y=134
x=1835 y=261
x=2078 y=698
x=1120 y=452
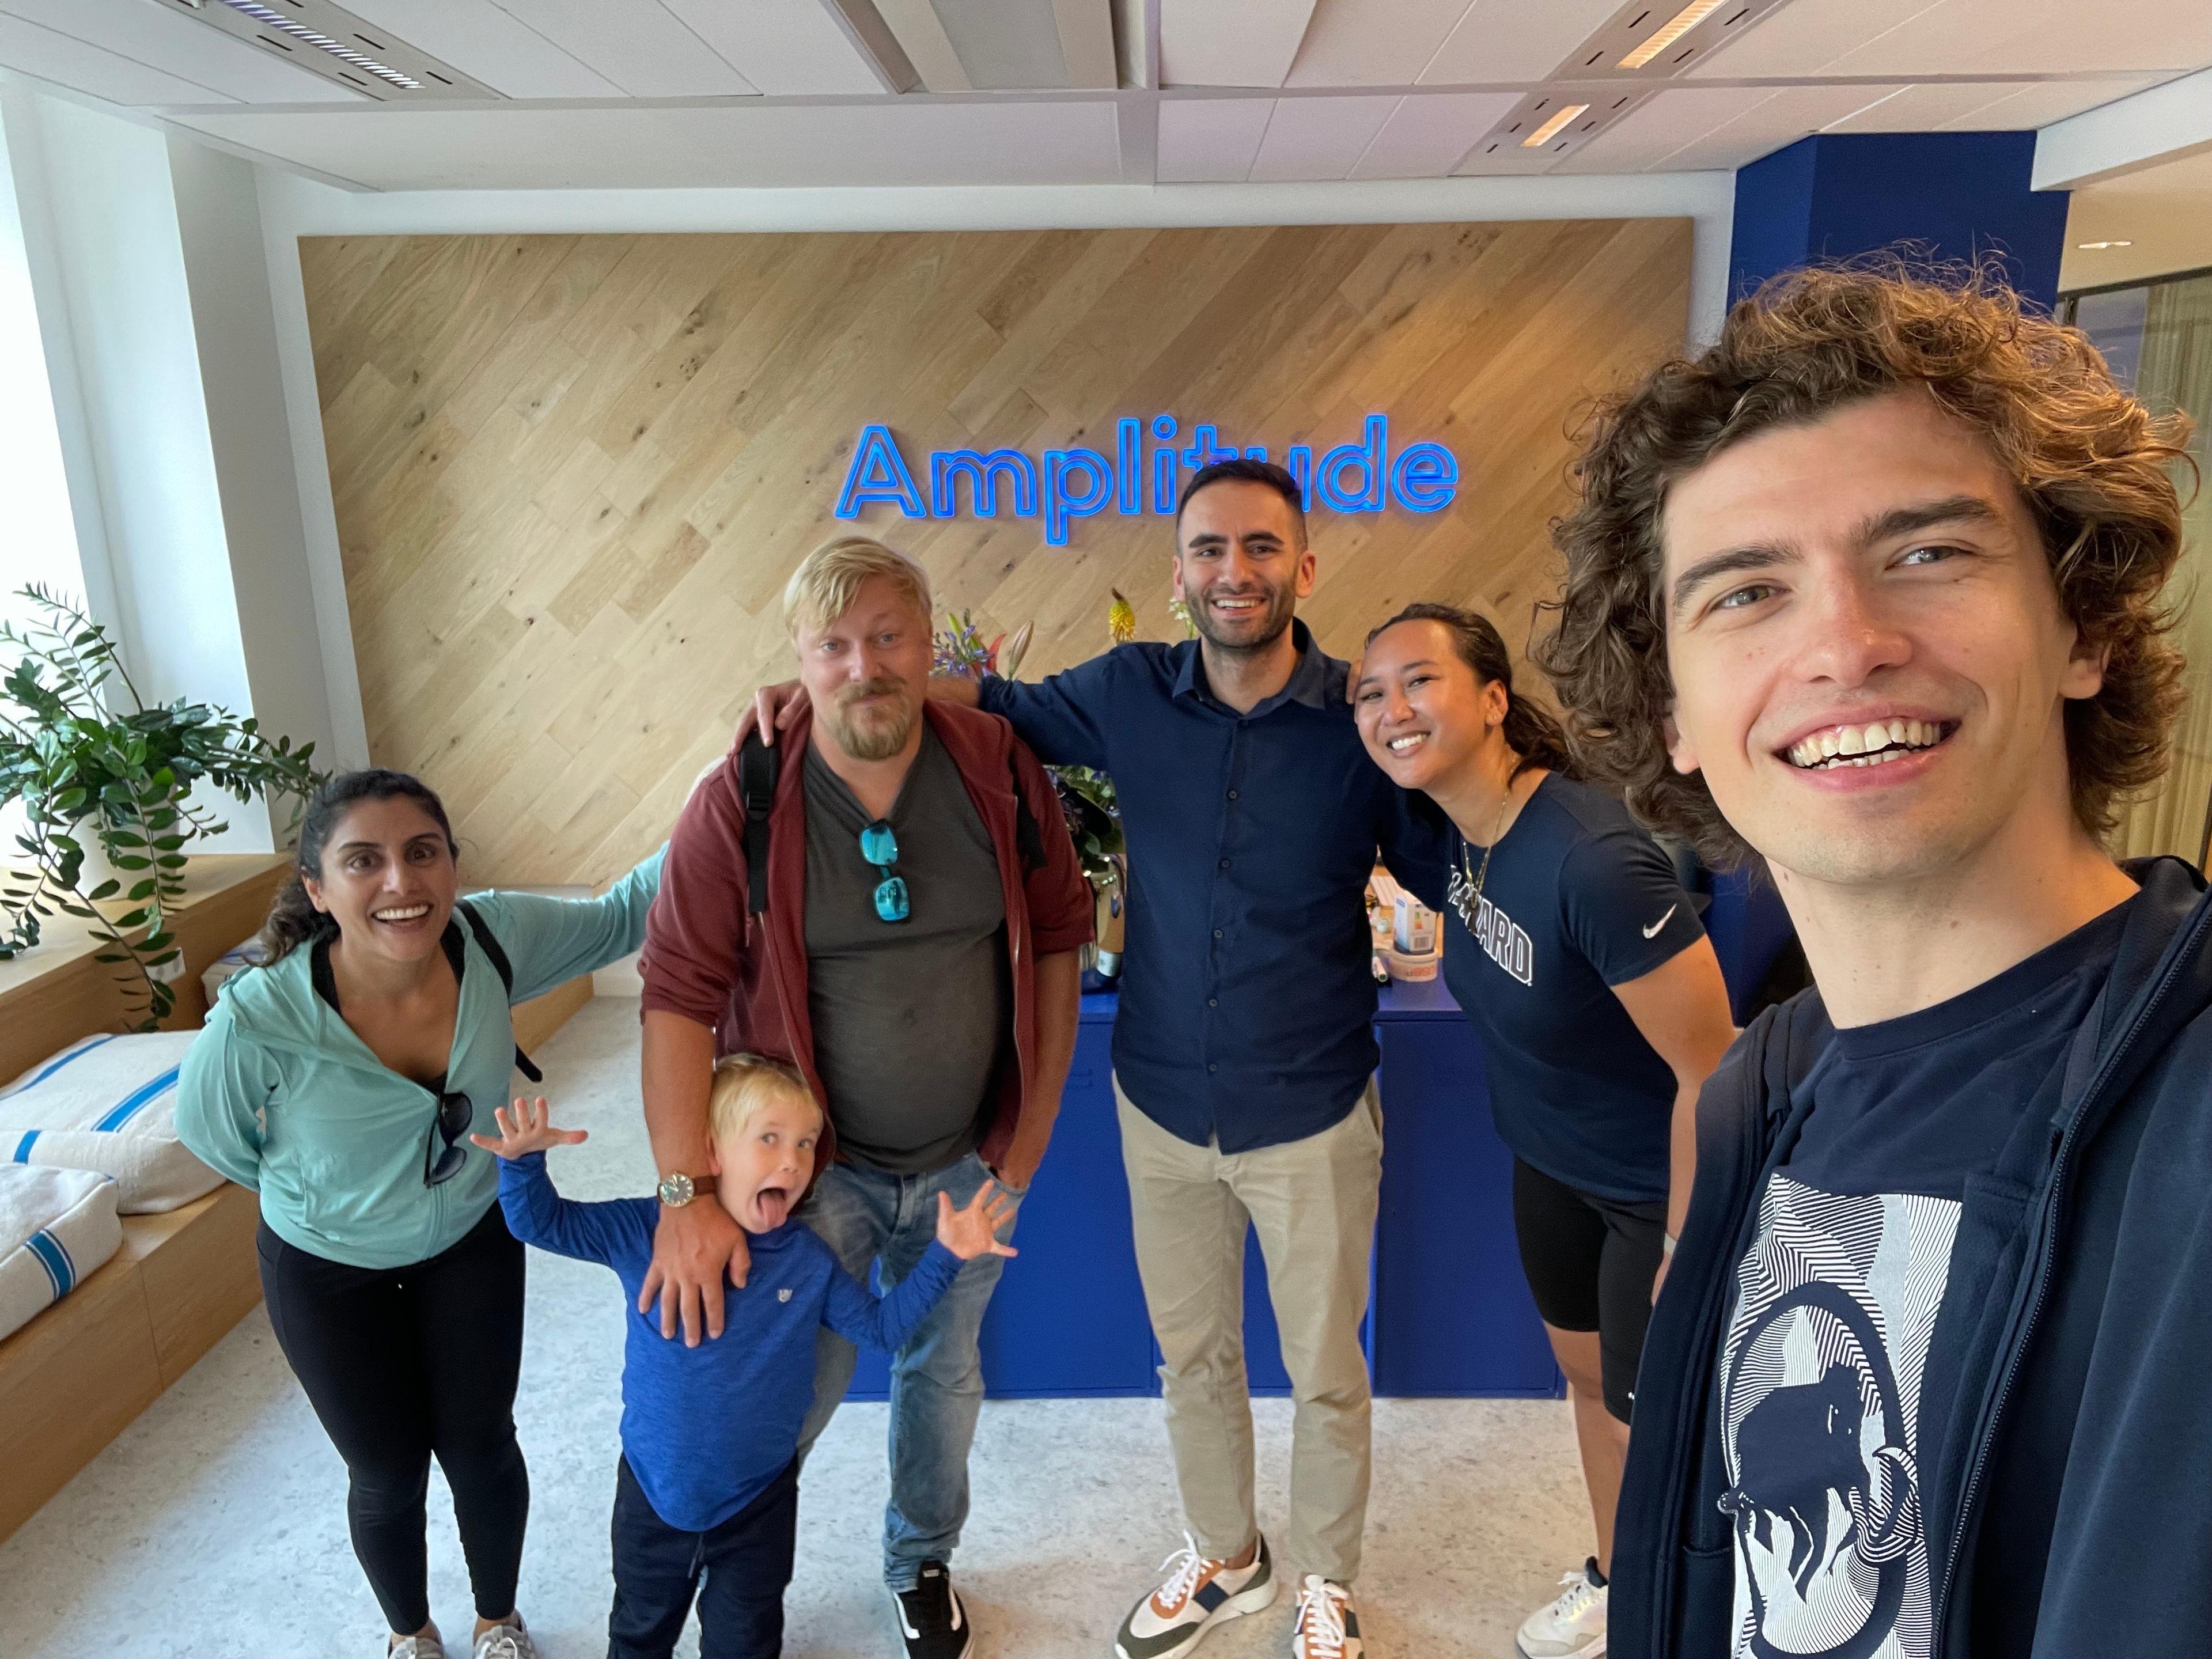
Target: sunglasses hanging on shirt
x=880 y=847
x=455 y=1113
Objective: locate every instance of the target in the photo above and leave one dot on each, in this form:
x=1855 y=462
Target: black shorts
x=1591 y=1262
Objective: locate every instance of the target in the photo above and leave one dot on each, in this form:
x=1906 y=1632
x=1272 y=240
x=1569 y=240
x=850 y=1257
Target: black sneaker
x=930 y=1618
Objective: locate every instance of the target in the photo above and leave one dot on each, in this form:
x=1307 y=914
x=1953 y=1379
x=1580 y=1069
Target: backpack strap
x=487 y=942
x=756 y=770
x=1029 y=841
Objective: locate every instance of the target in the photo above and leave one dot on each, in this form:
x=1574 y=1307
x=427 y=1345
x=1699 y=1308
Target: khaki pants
x=1312 y=1203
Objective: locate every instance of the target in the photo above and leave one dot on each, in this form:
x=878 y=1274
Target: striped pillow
x=106 y=1104
x=55 y=1226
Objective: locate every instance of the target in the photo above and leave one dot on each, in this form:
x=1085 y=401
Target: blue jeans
x=867 y=1217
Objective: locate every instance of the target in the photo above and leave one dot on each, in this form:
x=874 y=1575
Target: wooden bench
x=75 y=1377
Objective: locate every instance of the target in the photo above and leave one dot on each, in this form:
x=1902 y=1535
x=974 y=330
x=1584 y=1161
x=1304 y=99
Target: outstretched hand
x=527 y=1128
x=773 y=709
x=973 y=1231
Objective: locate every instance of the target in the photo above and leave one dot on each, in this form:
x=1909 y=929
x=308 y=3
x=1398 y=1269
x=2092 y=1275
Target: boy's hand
x=973 y=1231
x=527 y=1128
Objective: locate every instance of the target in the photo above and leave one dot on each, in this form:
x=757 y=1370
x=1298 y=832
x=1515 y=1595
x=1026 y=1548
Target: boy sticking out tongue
x=706 y=1490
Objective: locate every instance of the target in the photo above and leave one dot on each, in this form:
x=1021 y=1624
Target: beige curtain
x=2176 y=373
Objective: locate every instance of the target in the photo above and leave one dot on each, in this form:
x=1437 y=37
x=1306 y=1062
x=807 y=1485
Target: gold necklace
x=1477 y=876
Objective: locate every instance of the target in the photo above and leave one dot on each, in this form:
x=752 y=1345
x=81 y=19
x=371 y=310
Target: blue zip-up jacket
x=2083 y=1261
x=280 y=1095
x=707 y=1429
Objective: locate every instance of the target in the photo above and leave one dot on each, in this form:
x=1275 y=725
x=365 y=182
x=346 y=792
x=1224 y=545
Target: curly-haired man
x=1870 y=592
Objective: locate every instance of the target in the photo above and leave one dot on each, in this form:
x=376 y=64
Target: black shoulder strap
x=487 y=942
x=1029 y=840
x=756 y=765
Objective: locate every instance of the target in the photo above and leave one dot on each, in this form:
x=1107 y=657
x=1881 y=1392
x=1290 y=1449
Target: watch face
x=676 y=1190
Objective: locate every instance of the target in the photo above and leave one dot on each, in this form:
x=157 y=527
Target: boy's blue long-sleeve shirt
x=706 y=1428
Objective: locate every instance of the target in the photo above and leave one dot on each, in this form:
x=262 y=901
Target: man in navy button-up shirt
x=1247 y=1003
x=1244 y=1049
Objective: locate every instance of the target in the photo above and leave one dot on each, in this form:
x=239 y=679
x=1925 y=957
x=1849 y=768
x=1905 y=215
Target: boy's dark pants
x=745 y=1564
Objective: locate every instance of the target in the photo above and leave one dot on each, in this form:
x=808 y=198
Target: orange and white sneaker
x=1196 y=1594
x=1329 y=1621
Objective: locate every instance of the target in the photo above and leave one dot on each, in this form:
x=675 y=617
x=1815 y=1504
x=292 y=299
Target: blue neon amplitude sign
x=1080 y=483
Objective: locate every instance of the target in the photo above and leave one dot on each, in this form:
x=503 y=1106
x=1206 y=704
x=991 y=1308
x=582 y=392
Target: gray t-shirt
x=909 y=1017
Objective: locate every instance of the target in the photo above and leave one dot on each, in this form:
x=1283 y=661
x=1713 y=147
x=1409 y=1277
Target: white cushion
x=108 y=1103
x=55 y=1226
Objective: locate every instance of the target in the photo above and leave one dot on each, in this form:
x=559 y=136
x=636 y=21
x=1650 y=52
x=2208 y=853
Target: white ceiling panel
x=1231 y=43
x=1999 y=37
x=1927 y=108
x=1426 y=137
x=490 y=44
x=1803 y=37
x=1514 y=39
x=69 y=61
x=2046 y=101
x=1210 y=140
x=1774 y=122
x=780 y=45
x=174 y=43
x=638 y=44
x=1669 y=121
x=777 y=146
x=1319 y=137
x=1371 y=43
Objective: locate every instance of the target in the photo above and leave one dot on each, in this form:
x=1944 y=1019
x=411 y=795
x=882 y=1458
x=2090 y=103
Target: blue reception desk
x=1449 y=1312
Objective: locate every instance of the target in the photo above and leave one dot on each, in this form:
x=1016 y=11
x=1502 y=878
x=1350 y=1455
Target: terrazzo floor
x=216 y=1525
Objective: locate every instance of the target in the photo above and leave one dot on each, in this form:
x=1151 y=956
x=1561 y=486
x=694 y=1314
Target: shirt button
x=1232 y=795
x=1217 y=932
x=1211 y=1067
x=1225 y=864
x=1213 y=1002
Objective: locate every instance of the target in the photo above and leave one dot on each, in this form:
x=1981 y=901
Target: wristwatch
x=678 y=1189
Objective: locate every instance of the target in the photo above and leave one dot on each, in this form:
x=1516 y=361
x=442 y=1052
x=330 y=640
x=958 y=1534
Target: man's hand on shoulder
x=771 y=713
x=693 y=1248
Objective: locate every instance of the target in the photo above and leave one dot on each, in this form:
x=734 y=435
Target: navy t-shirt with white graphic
x=1577 y=900
x=1830 y=1407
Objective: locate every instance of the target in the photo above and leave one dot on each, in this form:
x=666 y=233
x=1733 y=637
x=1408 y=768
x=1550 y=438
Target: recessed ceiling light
x=1671 y=31
x=1545 y=134
x=315 y=37
x=2102 y=245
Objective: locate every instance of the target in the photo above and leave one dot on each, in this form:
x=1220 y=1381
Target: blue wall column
x=1964 y=195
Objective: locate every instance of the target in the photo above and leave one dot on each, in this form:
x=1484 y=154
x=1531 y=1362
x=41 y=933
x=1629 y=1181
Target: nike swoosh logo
x=1652 y=931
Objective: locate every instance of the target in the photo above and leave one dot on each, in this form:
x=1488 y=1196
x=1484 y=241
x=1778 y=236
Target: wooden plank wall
x=572 y=473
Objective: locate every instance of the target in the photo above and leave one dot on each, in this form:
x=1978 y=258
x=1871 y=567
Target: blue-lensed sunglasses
x=880 y=847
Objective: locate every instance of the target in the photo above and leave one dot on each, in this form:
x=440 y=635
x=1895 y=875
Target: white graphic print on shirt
x=1503 y=939
x=1820 y=1404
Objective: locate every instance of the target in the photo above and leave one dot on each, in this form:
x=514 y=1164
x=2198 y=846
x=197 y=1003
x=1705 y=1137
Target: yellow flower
x=1120 y=618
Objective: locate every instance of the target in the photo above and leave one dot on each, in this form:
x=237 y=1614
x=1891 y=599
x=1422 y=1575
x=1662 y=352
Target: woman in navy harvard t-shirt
x=1581 y=961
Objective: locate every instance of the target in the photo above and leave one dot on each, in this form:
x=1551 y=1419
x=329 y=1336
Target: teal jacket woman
x=281 y=1095
x=342 y=1081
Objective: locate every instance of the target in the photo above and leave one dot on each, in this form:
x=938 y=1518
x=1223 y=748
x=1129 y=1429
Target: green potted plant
x=103 y=788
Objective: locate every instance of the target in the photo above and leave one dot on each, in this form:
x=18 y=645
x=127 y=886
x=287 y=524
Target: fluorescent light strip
x=268 y=19
x=1545 y=134
x=1668 y=32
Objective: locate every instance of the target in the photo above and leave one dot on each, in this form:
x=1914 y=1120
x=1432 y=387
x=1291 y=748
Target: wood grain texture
x=573 y=473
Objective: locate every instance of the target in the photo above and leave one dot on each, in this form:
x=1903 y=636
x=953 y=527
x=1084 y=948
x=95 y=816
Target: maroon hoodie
x=706 y=959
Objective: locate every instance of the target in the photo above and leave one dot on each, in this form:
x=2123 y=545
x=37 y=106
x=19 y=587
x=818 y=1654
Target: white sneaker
x=507 y=1641
x=415 y=1647
x=1572 y=1628
x=1328 y=1622
x=1195 y=1595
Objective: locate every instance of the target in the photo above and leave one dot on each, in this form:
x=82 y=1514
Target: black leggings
x=403 y=1363
x=1590 y=1263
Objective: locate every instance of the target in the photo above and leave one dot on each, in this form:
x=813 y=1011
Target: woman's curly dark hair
x=2091 y=462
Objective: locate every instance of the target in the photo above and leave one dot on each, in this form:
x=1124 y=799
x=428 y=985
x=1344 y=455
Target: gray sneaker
x=507 y=1641
x=415 y=1647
